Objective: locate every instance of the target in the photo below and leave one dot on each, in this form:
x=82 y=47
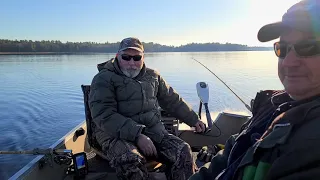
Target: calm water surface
x=41 y=99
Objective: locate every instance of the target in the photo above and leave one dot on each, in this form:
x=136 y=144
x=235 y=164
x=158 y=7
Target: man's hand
x=200 y=127
x=147 y=147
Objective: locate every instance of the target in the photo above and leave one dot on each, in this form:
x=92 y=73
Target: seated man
x=282 y=139
x=124 y=102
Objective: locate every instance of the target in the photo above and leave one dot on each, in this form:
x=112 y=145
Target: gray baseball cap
x=131 y=43
x=303 y=16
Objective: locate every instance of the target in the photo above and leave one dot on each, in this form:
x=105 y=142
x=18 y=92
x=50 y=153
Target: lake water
x=41 y=99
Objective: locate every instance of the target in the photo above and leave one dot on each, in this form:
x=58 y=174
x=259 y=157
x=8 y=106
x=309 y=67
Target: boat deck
x=99 y=169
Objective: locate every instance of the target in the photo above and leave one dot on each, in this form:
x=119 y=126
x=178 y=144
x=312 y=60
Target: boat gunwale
x=31 y=165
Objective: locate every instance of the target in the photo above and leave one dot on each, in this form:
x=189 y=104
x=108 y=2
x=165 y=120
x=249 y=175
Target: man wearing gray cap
x=124 y=101
x=282 y=139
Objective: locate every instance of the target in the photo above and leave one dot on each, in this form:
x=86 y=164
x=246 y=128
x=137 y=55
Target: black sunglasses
x=303 y=49
x=127 y=57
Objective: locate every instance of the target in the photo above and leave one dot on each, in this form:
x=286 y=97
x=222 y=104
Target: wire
x=217 y=128
x=204 y=134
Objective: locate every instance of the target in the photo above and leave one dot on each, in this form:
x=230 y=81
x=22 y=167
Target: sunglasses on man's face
x=127 y=57
x=303 y=49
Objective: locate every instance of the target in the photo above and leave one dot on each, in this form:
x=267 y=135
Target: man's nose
x=291 y=59
x=131 y=61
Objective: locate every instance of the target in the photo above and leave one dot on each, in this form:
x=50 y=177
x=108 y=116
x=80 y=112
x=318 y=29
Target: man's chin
x=297 y=92
x=131 y=73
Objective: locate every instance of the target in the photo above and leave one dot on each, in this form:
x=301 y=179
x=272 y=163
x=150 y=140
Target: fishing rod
x=59 y=156
x=246 y=105
x=38 y=151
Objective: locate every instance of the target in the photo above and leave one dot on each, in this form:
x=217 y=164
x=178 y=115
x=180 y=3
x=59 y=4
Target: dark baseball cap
x=131 y=43
x=303 y=16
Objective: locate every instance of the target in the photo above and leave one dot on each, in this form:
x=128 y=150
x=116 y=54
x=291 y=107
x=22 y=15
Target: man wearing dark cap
x=124 y=101
x=282 y=139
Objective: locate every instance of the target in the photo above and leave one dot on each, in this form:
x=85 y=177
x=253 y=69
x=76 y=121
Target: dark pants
x=172 y=151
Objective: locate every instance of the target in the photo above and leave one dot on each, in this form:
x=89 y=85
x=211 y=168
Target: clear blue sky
x=171 y=22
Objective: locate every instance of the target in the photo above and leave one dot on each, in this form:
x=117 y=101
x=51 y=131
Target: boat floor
x=100 y=169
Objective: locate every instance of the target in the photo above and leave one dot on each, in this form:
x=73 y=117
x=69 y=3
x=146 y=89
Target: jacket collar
x=280 y=97
x=304 y=107
x=286 y=104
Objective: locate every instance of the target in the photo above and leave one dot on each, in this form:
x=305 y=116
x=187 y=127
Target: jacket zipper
x=142 y=103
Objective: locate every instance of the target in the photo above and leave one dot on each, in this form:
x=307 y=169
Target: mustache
x=131 y=68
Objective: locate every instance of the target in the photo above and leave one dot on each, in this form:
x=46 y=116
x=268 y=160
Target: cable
x=204 y=134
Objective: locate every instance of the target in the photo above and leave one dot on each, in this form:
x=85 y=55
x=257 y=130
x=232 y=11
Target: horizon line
x=141 y=42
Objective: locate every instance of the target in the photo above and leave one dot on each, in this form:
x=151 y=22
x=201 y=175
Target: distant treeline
x=74 y=47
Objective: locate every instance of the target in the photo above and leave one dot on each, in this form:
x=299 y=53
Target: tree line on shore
x=74 y=47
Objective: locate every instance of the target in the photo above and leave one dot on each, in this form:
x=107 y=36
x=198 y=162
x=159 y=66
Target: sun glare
x=260 y=13
x=271 y=10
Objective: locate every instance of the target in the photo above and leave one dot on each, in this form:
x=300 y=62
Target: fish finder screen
x=80 y=162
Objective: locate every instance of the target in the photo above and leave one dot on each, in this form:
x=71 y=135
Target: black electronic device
x=80 y=164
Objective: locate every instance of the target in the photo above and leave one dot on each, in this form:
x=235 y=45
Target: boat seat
x=170 y=123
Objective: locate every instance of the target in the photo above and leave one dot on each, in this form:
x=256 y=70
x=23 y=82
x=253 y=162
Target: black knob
x=79 y=132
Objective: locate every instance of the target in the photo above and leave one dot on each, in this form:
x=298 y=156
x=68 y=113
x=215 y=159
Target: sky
x=168 y=22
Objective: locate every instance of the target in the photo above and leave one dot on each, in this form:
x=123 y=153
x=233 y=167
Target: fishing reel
x=58 y=156
x=62 y=159
x=77 y=163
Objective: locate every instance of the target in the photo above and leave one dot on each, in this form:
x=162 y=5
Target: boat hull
x=229 y=124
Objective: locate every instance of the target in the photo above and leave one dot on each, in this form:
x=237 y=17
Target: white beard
x=131 y=73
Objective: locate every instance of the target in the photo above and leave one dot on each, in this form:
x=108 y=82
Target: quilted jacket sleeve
x=171 y=102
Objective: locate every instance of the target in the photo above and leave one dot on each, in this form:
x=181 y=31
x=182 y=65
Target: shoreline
x=84 y=53
x=39 y=53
